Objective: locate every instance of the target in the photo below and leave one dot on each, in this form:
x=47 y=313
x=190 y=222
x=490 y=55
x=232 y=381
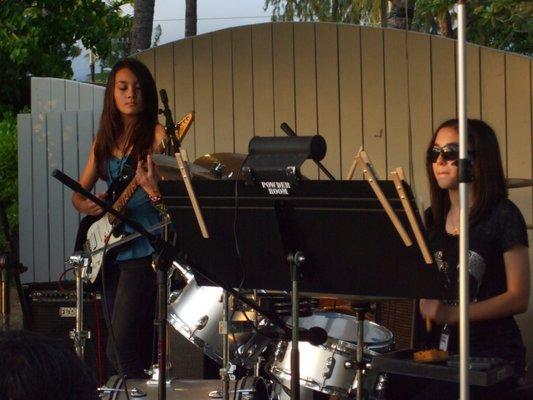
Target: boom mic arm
x=289 y=132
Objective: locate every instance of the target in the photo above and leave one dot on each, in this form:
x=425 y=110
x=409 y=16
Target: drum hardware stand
x=81 y=264
x=359 y=365
x=226 y=372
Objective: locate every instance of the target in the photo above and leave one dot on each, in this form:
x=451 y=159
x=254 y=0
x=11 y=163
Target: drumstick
x=190 y=190
x=349 y=176
x=428 y=325
x=398 y=177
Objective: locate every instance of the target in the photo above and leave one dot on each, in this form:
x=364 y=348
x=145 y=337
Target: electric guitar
x=97 y=232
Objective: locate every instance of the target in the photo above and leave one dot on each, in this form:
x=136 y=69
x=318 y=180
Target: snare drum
x=196 y=314
x=322 y=367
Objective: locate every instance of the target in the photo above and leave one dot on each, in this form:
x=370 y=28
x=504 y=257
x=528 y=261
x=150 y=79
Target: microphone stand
x=465 y=178
x=172 y=142
x=165 y=255
x=171 y=145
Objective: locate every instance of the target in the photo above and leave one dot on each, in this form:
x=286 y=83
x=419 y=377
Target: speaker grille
x=53 y=314
x=398 y=316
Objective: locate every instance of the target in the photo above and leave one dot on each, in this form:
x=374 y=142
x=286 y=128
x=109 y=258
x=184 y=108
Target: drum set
x=259 y=360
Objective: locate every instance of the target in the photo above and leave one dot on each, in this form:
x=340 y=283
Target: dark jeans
x=130 y=288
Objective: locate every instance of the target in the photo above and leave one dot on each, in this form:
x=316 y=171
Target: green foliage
x=348 y=11
x=8 y=170
x=38 y=36
x=501 y=24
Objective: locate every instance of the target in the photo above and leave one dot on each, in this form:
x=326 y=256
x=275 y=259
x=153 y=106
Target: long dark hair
x=140 y=135
x=489 y=181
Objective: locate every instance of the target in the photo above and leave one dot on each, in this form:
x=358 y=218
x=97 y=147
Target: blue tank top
x=140 y=209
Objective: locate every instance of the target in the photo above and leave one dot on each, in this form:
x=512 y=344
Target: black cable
x=107 y=316
x=235 y=237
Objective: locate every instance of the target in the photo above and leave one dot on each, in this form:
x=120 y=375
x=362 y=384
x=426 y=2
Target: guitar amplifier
x=399 y=317
x=52 y=313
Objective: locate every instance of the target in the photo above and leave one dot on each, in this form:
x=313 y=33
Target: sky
x=212 y=15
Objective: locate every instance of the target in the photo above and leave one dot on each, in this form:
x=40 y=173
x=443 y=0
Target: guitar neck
x=123 y=199
x=181 y=129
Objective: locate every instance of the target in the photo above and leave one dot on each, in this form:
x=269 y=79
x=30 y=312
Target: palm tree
x=143 y=20
x=366 y=12
x=190 y=18
x=401 y=14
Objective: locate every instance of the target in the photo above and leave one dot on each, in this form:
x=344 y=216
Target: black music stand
x=338 y=229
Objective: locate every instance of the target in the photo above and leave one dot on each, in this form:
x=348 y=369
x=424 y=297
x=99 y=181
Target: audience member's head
x=34 y=367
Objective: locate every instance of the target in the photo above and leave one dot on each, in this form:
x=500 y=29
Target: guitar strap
x=128 y=166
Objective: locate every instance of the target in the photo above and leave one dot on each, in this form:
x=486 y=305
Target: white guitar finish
x=97 y=235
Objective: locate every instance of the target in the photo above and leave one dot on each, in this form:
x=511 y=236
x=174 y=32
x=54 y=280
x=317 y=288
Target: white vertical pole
x=464 y=331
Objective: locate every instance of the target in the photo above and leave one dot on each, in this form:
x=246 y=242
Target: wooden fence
x=57 y=134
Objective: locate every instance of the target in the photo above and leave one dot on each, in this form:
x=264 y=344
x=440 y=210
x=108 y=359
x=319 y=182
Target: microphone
x=315 y=335
x=67 y=180
x=173 y=142
x=164 y=97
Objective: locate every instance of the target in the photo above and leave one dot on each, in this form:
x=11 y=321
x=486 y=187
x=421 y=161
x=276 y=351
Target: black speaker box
x=52 y=312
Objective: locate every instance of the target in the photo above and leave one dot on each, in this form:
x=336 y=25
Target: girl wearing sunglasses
x=498 y=255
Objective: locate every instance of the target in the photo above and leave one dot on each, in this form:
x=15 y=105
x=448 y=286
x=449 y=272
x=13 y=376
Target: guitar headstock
x=183 y=125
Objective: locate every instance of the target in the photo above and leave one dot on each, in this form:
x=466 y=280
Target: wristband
x=155 y=199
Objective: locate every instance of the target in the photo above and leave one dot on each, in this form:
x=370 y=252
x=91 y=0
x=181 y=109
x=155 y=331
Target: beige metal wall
x=382 y=88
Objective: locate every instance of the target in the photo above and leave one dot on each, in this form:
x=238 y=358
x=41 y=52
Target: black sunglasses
x=450 y=152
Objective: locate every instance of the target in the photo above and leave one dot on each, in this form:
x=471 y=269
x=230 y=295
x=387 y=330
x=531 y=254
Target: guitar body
x=93 y=229
x=97 y=235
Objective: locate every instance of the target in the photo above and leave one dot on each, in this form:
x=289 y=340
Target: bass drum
x=322 y=367
x=253 y=388
x=196 y=314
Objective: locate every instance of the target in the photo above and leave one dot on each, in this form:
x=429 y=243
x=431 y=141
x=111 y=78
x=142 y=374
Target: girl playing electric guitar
x=128 y=134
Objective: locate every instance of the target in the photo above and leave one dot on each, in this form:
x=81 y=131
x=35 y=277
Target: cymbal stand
x=80 y=263
x=224 y=329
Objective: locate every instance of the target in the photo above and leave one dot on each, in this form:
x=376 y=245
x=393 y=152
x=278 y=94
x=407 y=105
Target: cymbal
x=512 y=183
x=221 y=165
x=167 y=167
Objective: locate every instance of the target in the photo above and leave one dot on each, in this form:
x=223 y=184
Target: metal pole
x=79 y=311
x=296 y=260
x=225 y=346
x=80 y=263
x=464 y=331
x=360 y=315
